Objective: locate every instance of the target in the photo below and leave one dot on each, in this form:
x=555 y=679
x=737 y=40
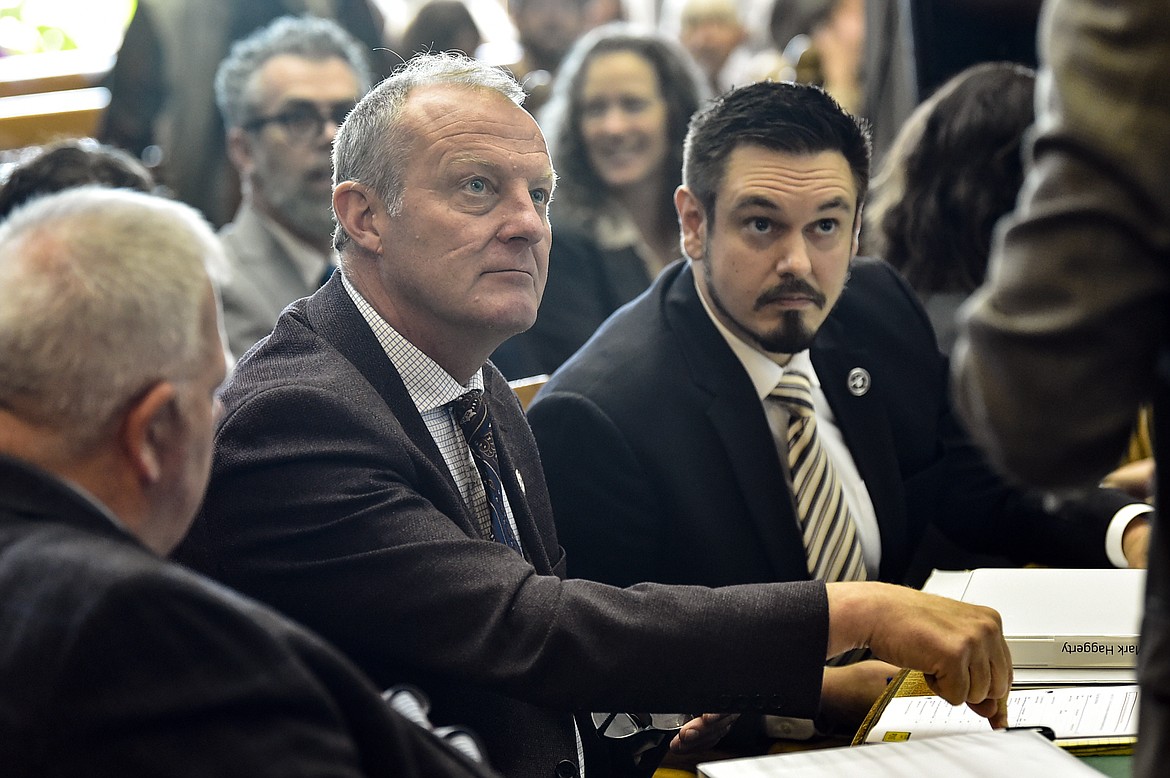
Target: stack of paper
x=1062 y=625
x=1080 y=717
x=984 y=755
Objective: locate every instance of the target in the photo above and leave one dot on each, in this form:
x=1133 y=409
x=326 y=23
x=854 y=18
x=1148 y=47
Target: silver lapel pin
x=858 y=381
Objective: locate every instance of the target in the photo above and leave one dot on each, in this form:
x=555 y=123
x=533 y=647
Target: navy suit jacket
x=116 y=662
x=661 y=465
x=330 y=500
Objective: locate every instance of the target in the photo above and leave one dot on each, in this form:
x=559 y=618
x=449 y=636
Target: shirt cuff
x=1117 y=528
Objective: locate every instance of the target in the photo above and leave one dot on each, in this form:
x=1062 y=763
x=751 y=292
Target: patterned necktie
x=830 y=535
x=471 y=413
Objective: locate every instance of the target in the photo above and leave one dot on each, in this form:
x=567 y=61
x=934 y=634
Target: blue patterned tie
x=471 y=413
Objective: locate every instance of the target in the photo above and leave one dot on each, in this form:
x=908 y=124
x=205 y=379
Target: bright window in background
x=46 y=26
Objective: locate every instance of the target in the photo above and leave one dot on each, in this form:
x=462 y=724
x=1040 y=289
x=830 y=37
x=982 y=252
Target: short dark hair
x=779 y=116
x=954 y=169
x=71 y=163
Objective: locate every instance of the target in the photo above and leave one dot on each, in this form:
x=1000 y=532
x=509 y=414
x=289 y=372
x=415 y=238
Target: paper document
x=1057 y=618
x=987 y=754
x=1073 y=713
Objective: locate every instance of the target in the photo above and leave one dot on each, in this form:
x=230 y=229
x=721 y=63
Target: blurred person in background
x=440 y=25
x=824 y=41
x=545 y=31
x=162 y=106
x=954 y=169
x=715 y=33
x=283 y=91
x=67 y=164
x=615 y=127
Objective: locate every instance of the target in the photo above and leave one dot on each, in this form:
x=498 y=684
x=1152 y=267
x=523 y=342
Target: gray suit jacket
x=330 y=500
x=263 y=280
x=117 y=663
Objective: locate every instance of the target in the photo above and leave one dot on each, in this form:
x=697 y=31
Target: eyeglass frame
x=298 y=111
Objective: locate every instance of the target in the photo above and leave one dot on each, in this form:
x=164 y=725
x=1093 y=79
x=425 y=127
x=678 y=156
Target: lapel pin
x=520 y=481
x=858 y=381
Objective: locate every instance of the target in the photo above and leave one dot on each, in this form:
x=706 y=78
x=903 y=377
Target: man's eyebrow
x=764 y=203
x=756 y=201
x=473 y=160
x=834 y=204
x=547 y=177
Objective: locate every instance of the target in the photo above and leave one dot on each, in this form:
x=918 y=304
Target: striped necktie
x=830 y=535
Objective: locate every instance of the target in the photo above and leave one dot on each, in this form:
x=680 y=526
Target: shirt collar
x=428 y=385
x=762 y=367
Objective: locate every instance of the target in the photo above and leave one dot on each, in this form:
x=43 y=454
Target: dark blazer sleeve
x=164 y=676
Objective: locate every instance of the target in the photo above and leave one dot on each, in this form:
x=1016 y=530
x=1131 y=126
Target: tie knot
x=795 y=391
x=469 y=410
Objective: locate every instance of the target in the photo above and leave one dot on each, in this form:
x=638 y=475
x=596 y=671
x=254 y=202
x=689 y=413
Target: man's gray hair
x=308 y=37
x=104 y=293
x=372 y=144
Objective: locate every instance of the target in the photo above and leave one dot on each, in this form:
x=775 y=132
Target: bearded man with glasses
x=283 y=91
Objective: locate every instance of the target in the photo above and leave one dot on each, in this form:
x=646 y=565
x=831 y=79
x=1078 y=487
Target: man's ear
x=147 y=429
x=239 y=150
x=357 y=209
x=692 y=221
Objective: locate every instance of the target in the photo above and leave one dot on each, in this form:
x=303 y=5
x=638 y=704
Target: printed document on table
x=987 y=754
x=1073 y=713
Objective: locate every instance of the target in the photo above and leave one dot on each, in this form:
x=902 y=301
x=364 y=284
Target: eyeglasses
x=302 y=121
x=622 y=725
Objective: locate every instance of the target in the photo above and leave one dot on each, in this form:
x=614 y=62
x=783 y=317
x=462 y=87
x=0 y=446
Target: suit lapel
x=738 y=419
x=865 y=427
x=333 y=316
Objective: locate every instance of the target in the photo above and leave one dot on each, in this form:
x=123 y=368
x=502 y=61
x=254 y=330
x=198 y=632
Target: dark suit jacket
x=586 y=283
x=117 y=663
x=330 y=500
x=662 y=467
